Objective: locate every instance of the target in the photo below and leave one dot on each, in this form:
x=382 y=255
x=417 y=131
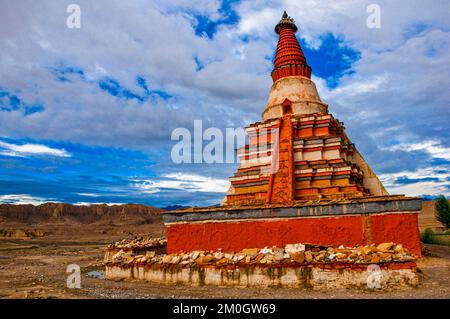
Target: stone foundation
x=387 y=265
x=394 y=275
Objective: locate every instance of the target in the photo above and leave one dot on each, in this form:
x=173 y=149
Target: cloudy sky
x=86 y=114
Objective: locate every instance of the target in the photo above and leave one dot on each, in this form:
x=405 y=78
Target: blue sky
x=86 y=114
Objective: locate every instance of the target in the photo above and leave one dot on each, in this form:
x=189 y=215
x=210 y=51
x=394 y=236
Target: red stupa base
x=386 y=219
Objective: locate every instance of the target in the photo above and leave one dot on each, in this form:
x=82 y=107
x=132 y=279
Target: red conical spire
x=289 y=58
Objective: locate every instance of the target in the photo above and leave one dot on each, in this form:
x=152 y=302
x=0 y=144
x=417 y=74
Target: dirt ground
x=37 y=269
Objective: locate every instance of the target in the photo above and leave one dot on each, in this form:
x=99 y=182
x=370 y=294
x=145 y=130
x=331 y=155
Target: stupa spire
x=289 y=57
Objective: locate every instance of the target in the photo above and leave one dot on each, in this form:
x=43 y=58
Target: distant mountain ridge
x=175 y=207
x=48 y=212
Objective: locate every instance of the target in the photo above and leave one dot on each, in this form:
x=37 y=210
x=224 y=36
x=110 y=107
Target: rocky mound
x=291 y=254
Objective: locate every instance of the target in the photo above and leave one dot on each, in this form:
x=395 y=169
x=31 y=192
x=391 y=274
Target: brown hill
x=131 y=214
x=427 y=219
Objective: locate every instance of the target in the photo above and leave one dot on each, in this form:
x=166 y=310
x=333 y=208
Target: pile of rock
x=292 y=254
x=129 y=248
x=139 y=243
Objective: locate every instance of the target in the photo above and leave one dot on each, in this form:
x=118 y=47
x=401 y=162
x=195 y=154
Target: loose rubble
x=291 y=255
x=127 y=249
x=139 y=243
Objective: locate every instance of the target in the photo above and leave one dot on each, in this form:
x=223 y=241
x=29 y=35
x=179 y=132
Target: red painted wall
x=397 y=228
x=333 y=231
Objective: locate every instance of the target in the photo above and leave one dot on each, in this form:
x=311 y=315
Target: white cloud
x=25 y=150
x=432 y=147
x=24 y=199
x=157 y=41
x=368 y=85
x=420 y=189
x=257 y=21
x=427 y=181
x=99 y=203
x=88 y=194
x=184 y=182
x=100 y=70
x=400 y=82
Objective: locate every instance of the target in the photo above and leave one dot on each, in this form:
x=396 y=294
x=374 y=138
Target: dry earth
x=36 y=269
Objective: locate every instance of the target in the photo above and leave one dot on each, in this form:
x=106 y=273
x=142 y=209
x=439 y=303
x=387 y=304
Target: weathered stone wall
x=295 y=265
x=300 y=277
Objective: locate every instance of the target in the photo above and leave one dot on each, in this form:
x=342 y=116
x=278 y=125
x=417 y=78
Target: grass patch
x=430 y=237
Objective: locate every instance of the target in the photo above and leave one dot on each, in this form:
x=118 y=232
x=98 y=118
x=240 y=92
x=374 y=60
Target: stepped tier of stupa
x=299 y=151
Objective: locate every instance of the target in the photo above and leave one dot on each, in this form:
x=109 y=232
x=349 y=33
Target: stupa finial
x=285 y=22
x=289 y=58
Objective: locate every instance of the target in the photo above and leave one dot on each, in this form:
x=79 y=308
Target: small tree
x=442 y=211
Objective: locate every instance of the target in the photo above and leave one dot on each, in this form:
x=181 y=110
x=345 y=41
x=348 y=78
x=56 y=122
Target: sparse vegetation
x=425 y=237
x=430 y=237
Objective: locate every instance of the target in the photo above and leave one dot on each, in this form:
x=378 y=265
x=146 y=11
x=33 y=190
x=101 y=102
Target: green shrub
x=427 y=236
x=430 y=237
x=442 y=211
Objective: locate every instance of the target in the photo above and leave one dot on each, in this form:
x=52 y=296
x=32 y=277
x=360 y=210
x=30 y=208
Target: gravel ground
x=37 y=269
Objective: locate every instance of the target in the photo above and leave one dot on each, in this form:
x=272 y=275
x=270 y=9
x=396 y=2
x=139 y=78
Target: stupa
x=300 y=178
